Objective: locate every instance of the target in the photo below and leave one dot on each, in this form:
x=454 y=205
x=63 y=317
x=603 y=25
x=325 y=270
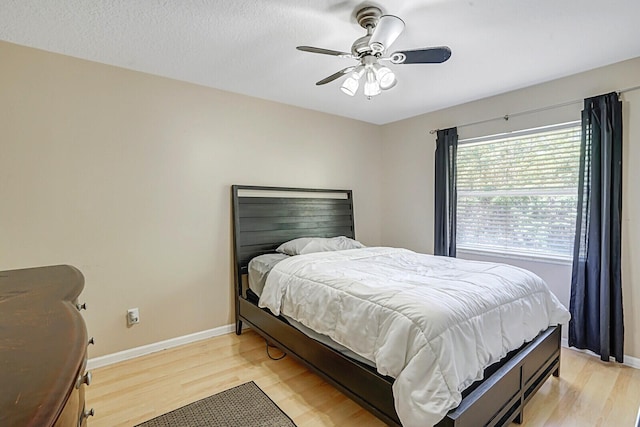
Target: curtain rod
x=537 y=110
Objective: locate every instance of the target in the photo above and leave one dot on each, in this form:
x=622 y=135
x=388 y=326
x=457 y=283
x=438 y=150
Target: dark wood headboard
x=266 y=217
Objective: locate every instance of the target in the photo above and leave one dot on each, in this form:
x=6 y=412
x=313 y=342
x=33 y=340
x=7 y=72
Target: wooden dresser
x=43 y=348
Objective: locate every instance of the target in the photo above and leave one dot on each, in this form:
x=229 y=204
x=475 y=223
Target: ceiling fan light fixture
x=386 y=77
x=350 y=86
x=371 y=89
x=371 y=85
x=358 y=72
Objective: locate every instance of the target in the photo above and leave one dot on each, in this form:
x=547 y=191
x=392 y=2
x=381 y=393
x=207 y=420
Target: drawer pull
x=85 y=379
x=82 y=306
x=91 y=341
x=87 y=414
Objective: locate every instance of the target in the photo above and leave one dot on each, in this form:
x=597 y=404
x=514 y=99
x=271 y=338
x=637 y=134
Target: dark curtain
x=596 y=287
x=445 y=192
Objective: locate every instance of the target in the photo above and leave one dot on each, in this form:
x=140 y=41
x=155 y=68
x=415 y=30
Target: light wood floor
x=588 y=392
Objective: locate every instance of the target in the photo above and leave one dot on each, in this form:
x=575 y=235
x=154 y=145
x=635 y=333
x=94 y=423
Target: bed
x=265 y=217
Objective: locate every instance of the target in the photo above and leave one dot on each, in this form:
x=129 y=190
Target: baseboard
x=633 y=362
x=109 y=359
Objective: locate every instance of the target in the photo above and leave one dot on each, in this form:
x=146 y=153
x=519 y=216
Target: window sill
x=518 y=256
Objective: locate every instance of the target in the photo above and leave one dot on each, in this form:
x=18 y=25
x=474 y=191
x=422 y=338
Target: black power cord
x=273 y=346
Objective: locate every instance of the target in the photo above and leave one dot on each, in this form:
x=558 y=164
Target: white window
x=517 y=194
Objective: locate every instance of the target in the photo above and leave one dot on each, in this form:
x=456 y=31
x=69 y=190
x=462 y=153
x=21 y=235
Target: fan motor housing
x=361 y=46
x=368 y=17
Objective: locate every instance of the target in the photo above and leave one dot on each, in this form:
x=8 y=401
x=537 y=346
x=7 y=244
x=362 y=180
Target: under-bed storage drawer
x=544 y=360
x=512 y=383
x=541 y=354
x=474 y=412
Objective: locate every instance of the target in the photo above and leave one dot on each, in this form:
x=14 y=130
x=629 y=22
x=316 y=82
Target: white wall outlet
x=133 y=316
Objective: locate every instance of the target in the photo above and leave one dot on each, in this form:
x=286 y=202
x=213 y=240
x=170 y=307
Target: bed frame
x=265 y=217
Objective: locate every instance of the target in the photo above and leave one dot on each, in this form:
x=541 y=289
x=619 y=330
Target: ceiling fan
x=370 y=50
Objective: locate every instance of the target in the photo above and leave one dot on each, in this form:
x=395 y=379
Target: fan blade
x=431 y=55
x=324 y=51
x=334 y=76
x=387 y=30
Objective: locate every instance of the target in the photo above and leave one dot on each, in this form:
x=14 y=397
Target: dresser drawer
x=71 y=413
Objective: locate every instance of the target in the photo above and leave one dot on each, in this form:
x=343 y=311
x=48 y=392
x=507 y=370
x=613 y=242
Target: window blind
x=517 y=194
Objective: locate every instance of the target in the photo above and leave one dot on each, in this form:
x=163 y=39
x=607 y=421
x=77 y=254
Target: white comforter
x=432 y=323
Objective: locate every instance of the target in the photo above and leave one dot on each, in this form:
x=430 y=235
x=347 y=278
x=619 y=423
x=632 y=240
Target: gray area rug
x=243 y=406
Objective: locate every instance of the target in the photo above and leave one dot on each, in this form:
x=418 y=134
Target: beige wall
x=408 y=152
x=126 y=176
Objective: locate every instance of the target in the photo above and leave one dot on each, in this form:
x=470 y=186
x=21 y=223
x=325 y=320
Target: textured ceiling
x=248 y=47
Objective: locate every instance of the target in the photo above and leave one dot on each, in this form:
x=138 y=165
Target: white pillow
x=307 y=245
